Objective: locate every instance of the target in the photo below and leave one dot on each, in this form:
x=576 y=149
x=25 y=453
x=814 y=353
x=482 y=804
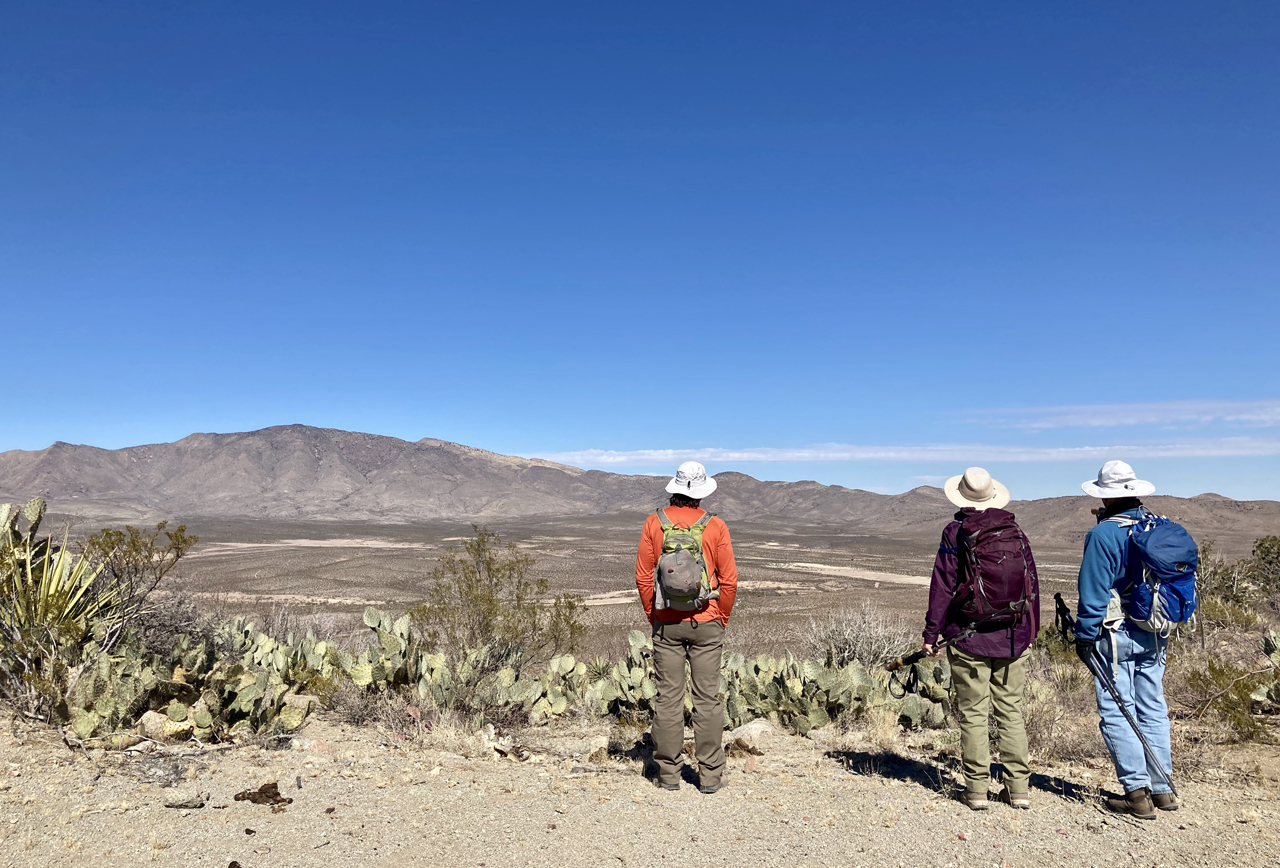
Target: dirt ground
x=363 y=797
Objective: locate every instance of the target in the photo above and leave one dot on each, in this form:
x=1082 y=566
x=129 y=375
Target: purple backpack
x=995 y=571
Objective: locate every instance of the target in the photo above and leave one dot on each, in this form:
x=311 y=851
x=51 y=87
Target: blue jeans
x=1140 y=659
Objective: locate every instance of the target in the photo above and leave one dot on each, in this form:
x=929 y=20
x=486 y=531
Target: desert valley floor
x=788 y=570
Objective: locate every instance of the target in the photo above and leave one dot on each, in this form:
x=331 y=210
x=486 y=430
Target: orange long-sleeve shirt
x=717 y=549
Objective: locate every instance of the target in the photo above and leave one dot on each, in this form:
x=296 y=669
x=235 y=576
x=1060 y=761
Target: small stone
x=963 y=836
x=186 y=799
x=304 y=701
x=599 y=750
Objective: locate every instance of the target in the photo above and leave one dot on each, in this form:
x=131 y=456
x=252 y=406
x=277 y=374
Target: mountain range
x=301 y=473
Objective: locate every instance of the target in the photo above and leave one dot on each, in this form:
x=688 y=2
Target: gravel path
x=366 y=801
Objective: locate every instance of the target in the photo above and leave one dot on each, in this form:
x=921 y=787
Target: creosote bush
x=1236 y=594
x=484 y=596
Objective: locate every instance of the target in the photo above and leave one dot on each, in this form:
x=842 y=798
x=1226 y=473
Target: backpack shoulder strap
x=666 y=523
x=706 y=517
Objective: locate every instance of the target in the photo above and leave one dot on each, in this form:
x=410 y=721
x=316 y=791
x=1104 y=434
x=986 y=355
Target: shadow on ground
x=936 y=774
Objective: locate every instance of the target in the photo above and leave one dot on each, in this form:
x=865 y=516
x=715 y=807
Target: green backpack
x=680 y=580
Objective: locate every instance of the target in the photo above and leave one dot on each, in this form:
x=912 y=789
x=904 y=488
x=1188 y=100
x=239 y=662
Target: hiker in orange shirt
x=687 y=582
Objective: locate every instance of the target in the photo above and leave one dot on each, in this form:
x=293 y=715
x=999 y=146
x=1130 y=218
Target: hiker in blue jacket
x=1135 y=657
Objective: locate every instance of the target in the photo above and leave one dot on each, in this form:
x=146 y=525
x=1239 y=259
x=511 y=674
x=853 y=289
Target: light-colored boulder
x=756 y=729
x=153 y=724
x=304 y=701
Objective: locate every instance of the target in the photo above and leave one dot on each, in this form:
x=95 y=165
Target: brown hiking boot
x=1136 y=804
x=1165 y=801
x=1021 y=801
x=975 y=801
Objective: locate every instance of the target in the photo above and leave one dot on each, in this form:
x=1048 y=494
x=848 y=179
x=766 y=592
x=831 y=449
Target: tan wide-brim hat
x=976 y=488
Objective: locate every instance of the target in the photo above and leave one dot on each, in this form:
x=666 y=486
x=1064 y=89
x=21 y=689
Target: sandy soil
x=367 y=798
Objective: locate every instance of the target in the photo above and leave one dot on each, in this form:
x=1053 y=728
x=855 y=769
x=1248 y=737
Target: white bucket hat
x=1116 y=479
x=976 y=488
x=691 y=480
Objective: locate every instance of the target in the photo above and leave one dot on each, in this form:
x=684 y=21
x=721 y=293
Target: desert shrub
x=1233 y=594
x=169 y=617
x=1221 y=692
x=133 y=562
x=485 y=596
x=1222 y=613
x=1264 y=571
x=866 y=634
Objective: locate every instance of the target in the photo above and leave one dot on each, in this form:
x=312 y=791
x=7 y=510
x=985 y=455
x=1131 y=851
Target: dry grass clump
x=880 y=727
x=390 y=710
x=867 y=634
x=283 y=621
x=1060 y=708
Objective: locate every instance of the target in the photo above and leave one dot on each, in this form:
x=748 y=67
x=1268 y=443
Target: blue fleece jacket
x=1106 y=550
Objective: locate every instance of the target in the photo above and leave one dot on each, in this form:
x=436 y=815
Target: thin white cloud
x=1219 y=447
x=1166 y=414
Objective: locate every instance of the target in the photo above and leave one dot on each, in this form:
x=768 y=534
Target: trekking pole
x=916 y=656
x=897 y=688
x=1097 y=665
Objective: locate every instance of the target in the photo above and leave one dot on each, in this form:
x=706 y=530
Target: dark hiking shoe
x=1021 y=801
x=974 y=801
x=1136 y=804
x=708 y=789
x=1165 y=801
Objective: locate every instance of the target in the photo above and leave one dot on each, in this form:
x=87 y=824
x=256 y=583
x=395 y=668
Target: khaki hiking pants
x=700 y=644
x=986 y=685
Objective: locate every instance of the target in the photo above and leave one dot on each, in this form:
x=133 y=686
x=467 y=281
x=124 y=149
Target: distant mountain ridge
x=297 y=472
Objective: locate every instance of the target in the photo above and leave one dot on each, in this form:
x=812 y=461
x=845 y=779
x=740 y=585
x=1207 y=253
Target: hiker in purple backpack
x=984 y=606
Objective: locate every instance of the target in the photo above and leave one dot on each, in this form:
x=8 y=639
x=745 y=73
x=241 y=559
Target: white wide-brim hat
x=1117 y=479
x=976 y=488
x=691 y=480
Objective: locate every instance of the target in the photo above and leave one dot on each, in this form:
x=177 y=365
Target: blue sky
x=860 y=243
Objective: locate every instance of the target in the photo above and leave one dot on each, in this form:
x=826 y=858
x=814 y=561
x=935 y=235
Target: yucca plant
x=47 y=588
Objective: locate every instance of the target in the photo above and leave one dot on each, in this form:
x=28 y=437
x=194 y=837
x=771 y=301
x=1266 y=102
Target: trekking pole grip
x=908 y=660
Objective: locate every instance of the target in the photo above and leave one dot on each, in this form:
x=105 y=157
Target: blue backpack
x=1162 y=564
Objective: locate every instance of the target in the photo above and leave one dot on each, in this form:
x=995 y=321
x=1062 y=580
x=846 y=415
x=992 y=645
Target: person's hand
x=931 y=651
x=1084 y=650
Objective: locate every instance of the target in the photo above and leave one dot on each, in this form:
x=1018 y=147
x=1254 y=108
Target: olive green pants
x=700 y=644
x=986 y=685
